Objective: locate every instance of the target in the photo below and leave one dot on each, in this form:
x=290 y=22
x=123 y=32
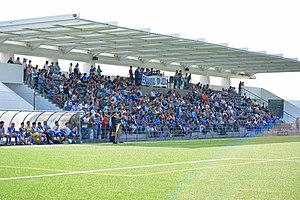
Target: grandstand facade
x=146 y=104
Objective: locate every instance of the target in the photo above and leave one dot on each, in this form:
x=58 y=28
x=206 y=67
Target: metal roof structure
x=17 y=116
x=70 y=37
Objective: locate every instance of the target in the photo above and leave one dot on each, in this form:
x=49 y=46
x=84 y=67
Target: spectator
x=24 y=66
x=10 y=60
x=17 y=61
x=131 y=74
x=51 y=69
x=70 y=68
x=76 y=70
x=241 y=84
x=138 y=76
x=29 y=71
x=99 y=70
x=92 y=70
x=46 y=66
x=56 y=68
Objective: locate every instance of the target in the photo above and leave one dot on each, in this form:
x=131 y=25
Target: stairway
x=36 y=99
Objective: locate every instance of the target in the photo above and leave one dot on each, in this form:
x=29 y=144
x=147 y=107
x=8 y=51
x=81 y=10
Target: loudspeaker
x=95 y=58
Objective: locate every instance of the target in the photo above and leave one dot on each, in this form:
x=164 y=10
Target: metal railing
x=251 y=95
x=103 y=134
x=57 y=99
x=286 y=116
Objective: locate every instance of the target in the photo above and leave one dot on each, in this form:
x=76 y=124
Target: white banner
x=160 y=81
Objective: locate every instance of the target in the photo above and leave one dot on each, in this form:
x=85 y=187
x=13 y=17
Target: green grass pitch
x=240 y=168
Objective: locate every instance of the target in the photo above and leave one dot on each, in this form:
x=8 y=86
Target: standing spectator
x=176 y=77
x=138 y=76
x=46 y=66
x=57 y=68
x=76 y=70
x=10 y=61
x=66 y=88
x=131 y=74
x=104 y=126
x=92 y=70
x=241 y=84
x=96 y=127
x=180 y=77
x=51 y=69
x=99 y=70
x=24 y=66
x=29 y=72
x=35 y=76
x=70 y=68
x=17 y=61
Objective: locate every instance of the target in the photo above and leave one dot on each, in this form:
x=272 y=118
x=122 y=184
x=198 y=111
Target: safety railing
x=97 y=134
x=58 y=99
x=288 y=118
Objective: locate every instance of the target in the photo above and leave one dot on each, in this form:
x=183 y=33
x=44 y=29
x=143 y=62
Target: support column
x=6 y=55
x=225 y=82
x=204 y=79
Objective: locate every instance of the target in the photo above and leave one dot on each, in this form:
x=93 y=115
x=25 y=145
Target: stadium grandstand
x=81 y=104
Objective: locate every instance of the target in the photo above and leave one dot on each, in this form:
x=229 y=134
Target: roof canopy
x=9 y=116
x=69 y=37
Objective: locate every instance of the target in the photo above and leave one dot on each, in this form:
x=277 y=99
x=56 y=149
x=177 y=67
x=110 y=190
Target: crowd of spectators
x=154 y=113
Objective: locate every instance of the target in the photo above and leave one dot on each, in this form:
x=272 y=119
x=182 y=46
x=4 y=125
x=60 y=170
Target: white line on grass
x=146 y=166
x=114 y=169
x=268 y=159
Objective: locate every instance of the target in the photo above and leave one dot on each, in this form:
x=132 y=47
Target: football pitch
x=234 y=168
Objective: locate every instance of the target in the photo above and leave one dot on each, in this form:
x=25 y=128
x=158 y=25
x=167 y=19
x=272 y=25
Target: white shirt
x=24 y=65
x=56 y=129
x=66 y=129
x=70 y=69
x=46 y=66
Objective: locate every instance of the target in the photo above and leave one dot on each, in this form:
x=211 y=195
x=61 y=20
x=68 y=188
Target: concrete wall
x=254 y=90
x=27 y=93
x=266 y=95
x=11 y=73
x=9 y=100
